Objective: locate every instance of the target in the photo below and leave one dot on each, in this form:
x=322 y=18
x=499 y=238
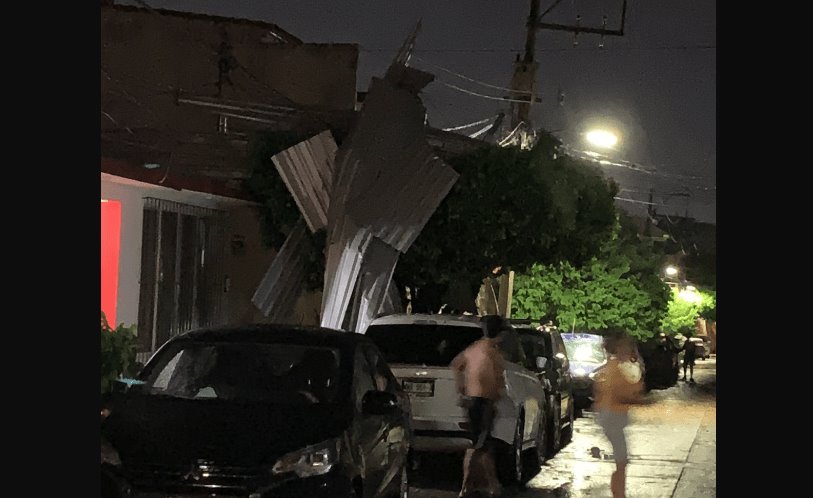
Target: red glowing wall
x=111 y=242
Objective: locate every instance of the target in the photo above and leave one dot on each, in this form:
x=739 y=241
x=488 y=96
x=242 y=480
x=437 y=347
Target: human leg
x=618 y=481
x=613 y=424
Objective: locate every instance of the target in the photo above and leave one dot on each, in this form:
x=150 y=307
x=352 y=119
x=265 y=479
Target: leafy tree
x=617 y=288
x=509 y=208
x=685 y=307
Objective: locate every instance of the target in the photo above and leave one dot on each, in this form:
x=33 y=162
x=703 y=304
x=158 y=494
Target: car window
x=383 y=377
x=583 y=350
x=559 y=346
x=422 y=344
x=510 y=347
x=272 y=373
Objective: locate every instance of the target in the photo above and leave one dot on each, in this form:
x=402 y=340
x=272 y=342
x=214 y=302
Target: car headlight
x=579 y=372
x=314 y=460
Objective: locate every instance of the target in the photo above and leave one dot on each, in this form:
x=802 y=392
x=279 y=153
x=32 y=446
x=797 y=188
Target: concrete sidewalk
x=672 y=447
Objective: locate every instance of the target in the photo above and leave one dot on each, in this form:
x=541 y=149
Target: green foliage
x=683 y=313
x=278 y=210
x=618 y=288
x=511 y=208
x=117 y=352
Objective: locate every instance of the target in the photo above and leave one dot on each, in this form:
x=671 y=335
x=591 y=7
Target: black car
x=259 y=411
x=547 y=356
x=661 y=355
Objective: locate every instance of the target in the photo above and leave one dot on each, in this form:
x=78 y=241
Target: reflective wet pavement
x=672 y=446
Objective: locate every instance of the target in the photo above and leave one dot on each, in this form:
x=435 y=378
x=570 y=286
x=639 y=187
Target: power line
x=469 y=125
x=463 y=76
x=490 y=97
x=567 y=49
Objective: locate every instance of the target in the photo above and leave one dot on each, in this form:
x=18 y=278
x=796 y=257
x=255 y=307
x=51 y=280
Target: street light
x=671 y=271
x=602 y=138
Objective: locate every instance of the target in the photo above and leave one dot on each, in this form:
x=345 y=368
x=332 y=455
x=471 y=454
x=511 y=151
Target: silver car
x=419 y=349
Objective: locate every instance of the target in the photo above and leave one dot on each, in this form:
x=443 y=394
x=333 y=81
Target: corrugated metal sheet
x=374 y=200
x=377 y=266
x=345 y=247
x=389 y=179
x=284 y=281
x=307 y=170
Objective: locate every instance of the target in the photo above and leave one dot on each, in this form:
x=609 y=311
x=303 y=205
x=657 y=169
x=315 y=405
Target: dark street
x=672 y=452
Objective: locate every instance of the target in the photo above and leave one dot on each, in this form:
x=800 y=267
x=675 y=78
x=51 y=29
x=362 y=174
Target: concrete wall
x=146 y=56
x=244 y=267
x=245 y=271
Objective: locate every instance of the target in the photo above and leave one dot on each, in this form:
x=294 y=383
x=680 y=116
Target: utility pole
x=650 y=213
x=523 y=82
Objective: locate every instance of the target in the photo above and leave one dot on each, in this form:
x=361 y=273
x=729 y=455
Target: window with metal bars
x=182 y=250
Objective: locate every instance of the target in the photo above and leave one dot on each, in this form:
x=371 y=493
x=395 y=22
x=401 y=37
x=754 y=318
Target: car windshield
x=585 y=350
x=424 y=344
x=272 y=373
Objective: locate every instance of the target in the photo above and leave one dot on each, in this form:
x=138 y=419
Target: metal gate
x=182 y=250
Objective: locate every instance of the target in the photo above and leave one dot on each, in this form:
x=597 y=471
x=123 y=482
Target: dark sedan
x=545 y=342
x=662 y=363
x=259 y=411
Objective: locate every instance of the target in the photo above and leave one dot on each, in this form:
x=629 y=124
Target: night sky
x=656 y=85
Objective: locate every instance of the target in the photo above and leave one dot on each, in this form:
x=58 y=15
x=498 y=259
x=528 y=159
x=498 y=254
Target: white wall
x=131 y=194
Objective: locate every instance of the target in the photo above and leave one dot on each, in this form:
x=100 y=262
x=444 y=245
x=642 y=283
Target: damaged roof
x=281 y=33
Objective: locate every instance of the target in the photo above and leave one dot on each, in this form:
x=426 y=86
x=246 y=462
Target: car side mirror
x=541 y=363
x=379 y=403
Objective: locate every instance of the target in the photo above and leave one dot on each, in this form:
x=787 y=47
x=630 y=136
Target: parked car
x=702 y=347
x=259 y=411
x=585 y=353
x=662 y=359
x=419 y=349
x=546 y=354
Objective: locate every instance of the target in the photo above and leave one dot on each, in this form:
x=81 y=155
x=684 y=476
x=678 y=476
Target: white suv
x=419 y=349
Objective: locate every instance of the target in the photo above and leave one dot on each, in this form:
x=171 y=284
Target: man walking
x=689 y=356
x=479 y=376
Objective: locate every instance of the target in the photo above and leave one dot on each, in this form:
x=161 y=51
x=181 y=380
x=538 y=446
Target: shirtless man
x=479 y=377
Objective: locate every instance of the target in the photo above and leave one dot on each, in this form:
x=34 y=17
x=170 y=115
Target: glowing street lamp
x=671 y=271
x=602 y=138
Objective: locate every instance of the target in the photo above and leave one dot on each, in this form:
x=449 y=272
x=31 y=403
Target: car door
x=564 y=381
x=369 y=431
x=395 y=426
x=528 y=391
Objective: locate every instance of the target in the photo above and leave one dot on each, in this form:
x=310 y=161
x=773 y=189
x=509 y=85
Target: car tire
x=555 y=430
x=567 y=434
x=510 y=465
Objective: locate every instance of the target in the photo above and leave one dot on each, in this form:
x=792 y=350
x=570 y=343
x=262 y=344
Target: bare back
x=481 y=368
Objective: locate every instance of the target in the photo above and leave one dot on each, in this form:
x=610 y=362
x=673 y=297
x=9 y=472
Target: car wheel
x=555 y=434
x=567 y=434
x=510 y=460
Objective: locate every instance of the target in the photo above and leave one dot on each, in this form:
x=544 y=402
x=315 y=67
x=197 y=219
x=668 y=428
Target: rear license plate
x=419 y=387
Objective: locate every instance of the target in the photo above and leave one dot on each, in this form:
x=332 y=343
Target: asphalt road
x=672 y=446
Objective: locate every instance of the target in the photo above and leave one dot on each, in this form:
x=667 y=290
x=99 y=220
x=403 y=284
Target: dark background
x=656 y=85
